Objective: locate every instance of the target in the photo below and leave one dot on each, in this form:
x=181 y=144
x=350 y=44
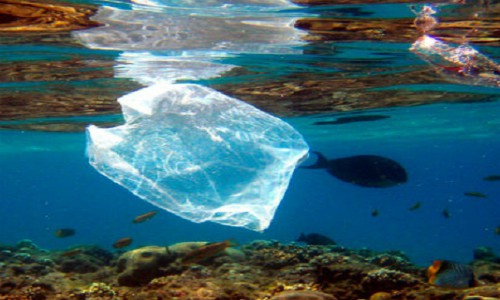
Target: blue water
x=46 y=182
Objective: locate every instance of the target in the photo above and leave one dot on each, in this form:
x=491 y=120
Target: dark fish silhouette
x=492 y=178
x=475 y=194
x=64 y=232
x=363 y=170
x=446 y=213
x=450 y=274
x=345 y=120
x=415 y=206
x=315 y=239
x=375 y=213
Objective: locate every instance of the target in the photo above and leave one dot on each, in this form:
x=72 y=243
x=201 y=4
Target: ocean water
x=447 y=148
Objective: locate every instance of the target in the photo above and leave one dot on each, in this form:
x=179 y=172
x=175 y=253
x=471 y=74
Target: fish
x=375 y=213
x=144 y=217
x=315 y=239
x=415 y=206
x=206 y=251
x=450 y=274
x=363 y=170
x=497 y=230
x=446 y=213
x=122 y=243
x=345 y=120
x=492 y=178
x=64 y=232
x=72 y=252
x=475 y=194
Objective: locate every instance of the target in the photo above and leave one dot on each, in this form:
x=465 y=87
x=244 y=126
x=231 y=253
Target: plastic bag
x=462 y=64
x=199 y=154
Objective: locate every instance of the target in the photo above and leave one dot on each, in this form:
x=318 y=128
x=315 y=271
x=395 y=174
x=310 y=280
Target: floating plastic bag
x=462 y=64
x=199 y=154
x=185 y=30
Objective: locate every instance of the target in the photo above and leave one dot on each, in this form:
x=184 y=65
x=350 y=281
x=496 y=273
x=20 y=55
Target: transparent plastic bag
x=199 y=154
x=462 y=64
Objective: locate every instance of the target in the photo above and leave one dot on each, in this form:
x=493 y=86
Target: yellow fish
x=121 y=243
x=144 y=217
x=64 y=232
x=206 y=251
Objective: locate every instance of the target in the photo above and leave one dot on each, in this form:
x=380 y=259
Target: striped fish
x=450 y=274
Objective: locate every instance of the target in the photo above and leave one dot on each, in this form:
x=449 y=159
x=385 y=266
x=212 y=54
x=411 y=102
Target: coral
x=386 y=279
x=26 y=244
x=97 y=290
x=262 y=270
x=87 y=259
x=392 y=261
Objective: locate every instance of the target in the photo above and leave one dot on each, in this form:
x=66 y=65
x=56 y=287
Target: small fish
x=206 y=251
x=450 y=274
x=144 y=217
x=72 y=252
x=446 y=213
x=64 y=232
x=315 y=239
x=121 y=243
x=492 y=178
x=497 y=230
x=375 y=213
x=415 y=206
x=475 y=194
x=345 y=120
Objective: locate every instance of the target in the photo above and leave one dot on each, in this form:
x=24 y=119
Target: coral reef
x=258 y=270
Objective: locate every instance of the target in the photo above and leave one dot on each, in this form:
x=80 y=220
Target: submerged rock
x=486 y=253
x=303 y=295
x=139 y=266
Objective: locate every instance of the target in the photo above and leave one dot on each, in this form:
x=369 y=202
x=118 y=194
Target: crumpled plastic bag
x=199 y=154
x=462 y=64
x=173 y=30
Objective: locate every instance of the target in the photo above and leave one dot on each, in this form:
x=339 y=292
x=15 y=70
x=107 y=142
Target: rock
x=235 y=254
x=303 y=295
x=380 y=296
x=27 y=244
x=139 y=266
x=486 y=253
x=89 y=260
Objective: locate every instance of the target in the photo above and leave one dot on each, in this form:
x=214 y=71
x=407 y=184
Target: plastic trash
x=173 y=31
x=462 y=64
x=199 y=154
x=147 y=68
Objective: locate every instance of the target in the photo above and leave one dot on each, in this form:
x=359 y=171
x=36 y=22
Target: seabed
x=258 y=270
